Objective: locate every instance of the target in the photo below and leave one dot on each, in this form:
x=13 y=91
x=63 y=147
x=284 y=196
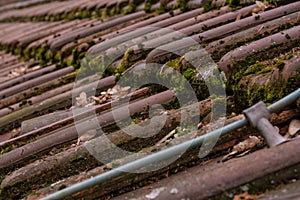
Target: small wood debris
x=90 y=134
x=166 y=137
x=246 y=196
x=260 y=28
x=118 y=92
x=103 y=98
x=17 y=72
x=22 y=70
x=243 y=147
x=112 y=93
x=238 y=17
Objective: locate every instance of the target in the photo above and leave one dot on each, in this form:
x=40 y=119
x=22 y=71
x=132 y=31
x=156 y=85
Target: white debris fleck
x=154 y=193
x=56 y=183
x=245 y=188
x=174 y=191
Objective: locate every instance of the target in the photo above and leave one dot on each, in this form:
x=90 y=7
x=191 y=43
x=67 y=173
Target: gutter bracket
x=258 y=115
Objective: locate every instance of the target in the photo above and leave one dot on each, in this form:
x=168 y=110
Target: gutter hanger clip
x=258 y=115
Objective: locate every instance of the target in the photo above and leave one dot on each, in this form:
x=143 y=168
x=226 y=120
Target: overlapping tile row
x=255 y=45
x=70 y=9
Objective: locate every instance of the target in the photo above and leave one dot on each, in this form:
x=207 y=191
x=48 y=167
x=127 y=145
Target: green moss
x=161 y=10
x=5 y=150
x=233 y=3
x=125 y=63
x=84 y=14
x=130 y=9
x=63 y=186
x=75 y=59
x=174 y=104
x=176 y=63
x=115 y=164
x=147 y=7
x=254 y=69
x=274 y=2
x=114 y=11
x=248 y=95
x=189 y=77
x=41 y=54
x=16 y=190
x=289 y=56
x=189 y=73
x=77 y=159
x=182 y=5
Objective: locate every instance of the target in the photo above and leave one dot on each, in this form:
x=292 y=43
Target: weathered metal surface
x=206 y=181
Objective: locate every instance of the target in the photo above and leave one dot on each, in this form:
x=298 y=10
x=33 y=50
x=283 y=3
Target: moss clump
x=130 y=9
x=75 y=59
x=233 y=3
x=174 y=104
x=182 y=5
x=208 y=6
x=254 y=69
x=176 y=63
x=84 y=14
x=5 y=150
x=125 y=63
x=252 y=80
x=16 y=190
x=147 y=8
x=273 y=89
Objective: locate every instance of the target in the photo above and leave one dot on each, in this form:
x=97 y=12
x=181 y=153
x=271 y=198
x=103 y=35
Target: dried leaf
x=261 y=5
x=294 y=127
x=243 y=147
x=81 y=101
x=103 y=98
x=249 y=143
x=22 y=70
x=90 y=134
x=118 y=91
